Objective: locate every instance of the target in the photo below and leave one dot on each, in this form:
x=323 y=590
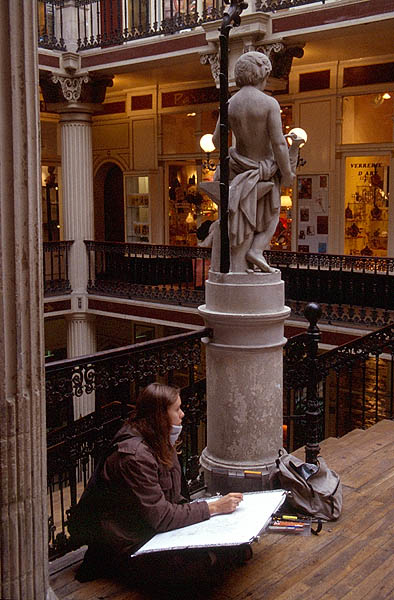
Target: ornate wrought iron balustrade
x=56 y=262
x=354 y=289
x=50 y=24
x=353 y=384
x=104 y=23
x=114 y=377
x=168 y=274
x=274 y=5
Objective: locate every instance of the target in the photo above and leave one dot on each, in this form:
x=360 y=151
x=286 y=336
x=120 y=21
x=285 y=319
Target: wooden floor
x=352 y=558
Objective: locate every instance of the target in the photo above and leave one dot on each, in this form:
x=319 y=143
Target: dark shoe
x=96 y=564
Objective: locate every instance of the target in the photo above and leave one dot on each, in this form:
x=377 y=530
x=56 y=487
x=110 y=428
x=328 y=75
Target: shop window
x=50 y=204
x=137 y=208
x=367 y=119
x=281 y=239
x=190 y=210
x=286 y=112
x=366 y=205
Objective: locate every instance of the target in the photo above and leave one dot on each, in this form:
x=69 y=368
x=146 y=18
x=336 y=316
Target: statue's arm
x=279 y=144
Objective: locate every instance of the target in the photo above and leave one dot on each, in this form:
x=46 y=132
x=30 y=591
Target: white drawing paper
x=239 y=527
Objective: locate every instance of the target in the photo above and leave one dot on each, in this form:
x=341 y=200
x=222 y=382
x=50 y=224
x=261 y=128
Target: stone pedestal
x=244 y=378
x=23 y=512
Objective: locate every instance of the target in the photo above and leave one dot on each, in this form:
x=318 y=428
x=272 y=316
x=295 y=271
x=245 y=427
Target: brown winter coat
x=145 y=496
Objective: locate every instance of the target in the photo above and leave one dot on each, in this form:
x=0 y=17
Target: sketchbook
x=239 y=527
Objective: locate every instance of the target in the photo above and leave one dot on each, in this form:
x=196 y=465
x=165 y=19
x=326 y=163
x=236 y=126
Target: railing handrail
x=349 y=353
x=166 y=250
x=68 y=363
x=58 y=243
x=313 y=259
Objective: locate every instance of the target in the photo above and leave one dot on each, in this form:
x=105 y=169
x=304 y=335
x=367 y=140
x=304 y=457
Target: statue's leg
x=214 y=242
x=260 y=243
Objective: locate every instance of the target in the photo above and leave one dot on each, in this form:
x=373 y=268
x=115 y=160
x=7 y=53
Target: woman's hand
x=226 y=504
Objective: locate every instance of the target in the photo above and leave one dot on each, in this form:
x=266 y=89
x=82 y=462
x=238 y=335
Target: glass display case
x=137 y=204
x=366 y=205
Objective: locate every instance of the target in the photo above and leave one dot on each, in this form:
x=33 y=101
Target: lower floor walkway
x=351 y=559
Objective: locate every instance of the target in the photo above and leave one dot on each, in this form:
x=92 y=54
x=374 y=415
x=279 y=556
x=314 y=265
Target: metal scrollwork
x=71 y=86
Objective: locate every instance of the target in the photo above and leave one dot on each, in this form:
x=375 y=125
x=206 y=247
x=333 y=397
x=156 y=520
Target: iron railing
x=169 y=274
x=56 y=263
x=274 y=5
x=352 y=289
x=104 y=23
x=50 y=24
x=329 y=394
x=114 y=379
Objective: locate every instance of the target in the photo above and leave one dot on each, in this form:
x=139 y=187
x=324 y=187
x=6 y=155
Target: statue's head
x=252 y=68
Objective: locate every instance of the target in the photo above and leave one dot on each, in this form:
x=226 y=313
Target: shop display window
x=367 y=119
x=190 y=210
x=366 y=205
x=137 y=208
x=50 y=204
x=281 y=239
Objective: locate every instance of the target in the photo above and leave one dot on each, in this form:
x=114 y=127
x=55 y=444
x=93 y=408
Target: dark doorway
x=113 y=205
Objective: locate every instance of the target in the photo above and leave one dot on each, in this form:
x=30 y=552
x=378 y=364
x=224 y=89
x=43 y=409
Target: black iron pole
x=314 y=413
x=229 y=17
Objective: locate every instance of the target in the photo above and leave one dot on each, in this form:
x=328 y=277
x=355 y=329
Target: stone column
x=24 y=521
x=244 y=378
x=81 y=340
x=76 y=95
x=78 y=218
x=78 y=209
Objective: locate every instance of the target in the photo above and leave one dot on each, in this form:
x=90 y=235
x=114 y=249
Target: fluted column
x=24 y=522
x=81 y=340
x=78 y=210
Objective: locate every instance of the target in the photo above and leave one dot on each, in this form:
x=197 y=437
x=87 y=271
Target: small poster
x=312 y=213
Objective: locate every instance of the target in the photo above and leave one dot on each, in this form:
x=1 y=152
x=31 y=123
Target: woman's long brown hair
x=151 y=419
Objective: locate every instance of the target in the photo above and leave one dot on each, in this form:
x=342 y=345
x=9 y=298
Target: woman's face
x=175 y=412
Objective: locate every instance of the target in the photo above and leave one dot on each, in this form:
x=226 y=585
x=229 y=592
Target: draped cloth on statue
x=254 y=194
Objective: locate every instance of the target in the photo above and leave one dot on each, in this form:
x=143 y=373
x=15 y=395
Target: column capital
x=74 y=91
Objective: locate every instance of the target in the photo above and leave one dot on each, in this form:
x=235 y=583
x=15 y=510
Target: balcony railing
x=50 y=24
x=114 y=377
x=350 y=289
x=351 y=386
x=103 y=23
x=168 y=274
x=56 y=261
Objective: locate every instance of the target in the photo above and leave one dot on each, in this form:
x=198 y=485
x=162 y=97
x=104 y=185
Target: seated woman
x=143 y=482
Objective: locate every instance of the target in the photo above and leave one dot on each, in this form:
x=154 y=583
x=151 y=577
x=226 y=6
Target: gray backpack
x=315 y=490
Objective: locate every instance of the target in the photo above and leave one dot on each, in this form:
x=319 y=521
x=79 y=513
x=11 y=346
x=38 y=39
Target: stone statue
x=260 y=163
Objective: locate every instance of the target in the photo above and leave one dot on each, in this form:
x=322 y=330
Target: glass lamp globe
x=206 y=143
x=299 y=133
